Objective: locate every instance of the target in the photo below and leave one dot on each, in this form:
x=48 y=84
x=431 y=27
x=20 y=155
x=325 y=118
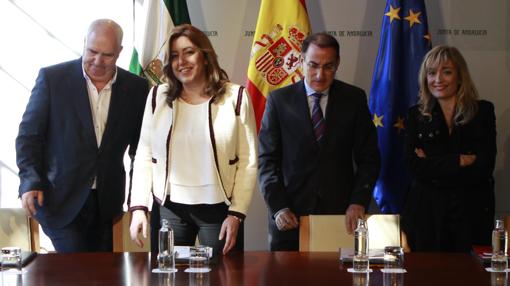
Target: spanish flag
x=276 y=51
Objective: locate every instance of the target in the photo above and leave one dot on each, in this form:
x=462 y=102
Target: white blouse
x=193 y=176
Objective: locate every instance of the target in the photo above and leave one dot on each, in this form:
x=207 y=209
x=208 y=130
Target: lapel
x=439 y=130
x=439 y=126
x=334 y=90
x=77 y=89
x=115 y=110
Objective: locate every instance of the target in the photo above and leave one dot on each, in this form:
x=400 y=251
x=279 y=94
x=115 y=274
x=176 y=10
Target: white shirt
x=193 y=175
x=99 y=104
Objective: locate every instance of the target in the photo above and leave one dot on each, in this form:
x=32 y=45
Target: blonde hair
x=466 y=105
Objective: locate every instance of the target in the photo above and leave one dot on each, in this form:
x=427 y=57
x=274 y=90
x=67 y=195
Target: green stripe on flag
x=178 y=10
x=149 y=45
x=134 y=65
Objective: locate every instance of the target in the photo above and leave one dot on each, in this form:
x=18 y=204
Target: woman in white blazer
x=197 y=149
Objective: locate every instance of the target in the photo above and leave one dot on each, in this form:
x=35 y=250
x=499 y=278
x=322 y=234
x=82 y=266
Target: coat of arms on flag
x=275 y=58
x=155 y=19
x=279 y=55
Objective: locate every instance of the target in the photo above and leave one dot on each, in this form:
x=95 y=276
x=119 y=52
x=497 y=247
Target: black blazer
x=56 y=146
x=442 y=191
x=441 y=167
x=295 y=172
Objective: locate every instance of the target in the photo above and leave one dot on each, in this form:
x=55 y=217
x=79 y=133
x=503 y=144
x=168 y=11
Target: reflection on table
x=251 y=268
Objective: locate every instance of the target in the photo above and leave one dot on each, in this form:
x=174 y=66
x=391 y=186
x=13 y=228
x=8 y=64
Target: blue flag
x=404 y=42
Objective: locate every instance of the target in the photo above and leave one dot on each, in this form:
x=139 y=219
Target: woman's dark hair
x=216 y=77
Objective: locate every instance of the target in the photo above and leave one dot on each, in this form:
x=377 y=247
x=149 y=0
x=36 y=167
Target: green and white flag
x=154 y=19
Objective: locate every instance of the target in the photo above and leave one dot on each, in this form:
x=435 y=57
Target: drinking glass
x=499 y=262
x=11 y=258
x=199 y=259
x=393 y=257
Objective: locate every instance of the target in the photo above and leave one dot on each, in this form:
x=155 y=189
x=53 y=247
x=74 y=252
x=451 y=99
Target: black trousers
x=86 y=233
x=192 y=221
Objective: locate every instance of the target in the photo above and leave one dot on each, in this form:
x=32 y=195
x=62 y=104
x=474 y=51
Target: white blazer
x=233 y=138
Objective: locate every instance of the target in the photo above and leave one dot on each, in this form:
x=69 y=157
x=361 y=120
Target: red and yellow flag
x=276 y=51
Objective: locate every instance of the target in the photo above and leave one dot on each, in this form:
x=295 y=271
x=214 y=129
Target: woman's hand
x=229 y=228
x=138 y=224
x=466 y=160
x=420 y=153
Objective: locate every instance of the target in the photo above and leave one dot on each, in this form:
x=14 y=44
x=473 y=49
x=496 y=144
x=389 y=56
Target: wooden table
x=249 y=268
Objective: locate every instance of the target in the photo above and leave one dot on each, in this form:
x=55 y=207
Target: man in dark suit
x=80 y=118
x=318 y=147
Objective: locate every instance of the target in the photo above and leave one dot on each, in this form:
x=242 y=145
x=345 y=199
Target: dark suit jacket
x=56 y=146
x=295 y=172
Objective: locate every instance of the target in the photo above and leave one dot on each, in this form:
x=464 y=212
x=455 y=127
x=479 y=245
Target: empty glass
x=393 y=257
x=11 y=258
x=199 y=259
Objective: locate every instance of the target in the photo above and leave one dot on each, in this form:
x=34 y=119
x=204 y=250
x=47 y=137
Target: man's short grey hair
x=106 y=24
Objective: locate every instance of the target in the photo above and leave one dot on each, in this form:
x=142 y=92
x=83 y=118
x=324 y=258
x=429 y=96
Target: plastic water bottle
x=499 y=246
x=166 y=255
x=360 y=260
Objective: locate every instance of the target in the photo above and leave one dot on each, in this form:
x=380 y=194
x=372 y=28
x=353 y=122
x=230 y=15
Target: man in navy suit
x=81 y=117
x=318 y=147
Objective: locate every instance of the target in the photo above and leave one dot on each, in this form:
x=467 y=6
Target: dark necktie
x=319 y=125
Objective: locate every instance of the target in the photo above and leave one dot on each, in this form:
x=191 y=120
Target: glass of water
x=11 y=258
x=199 y=259
x=360 y=263
x=499 y=262
x=393 y=257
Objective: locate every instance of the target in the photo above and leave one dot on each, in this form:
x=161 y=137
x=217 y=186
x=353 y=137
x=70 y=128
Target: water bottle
x=360 y=260
x=166 y=255
x=499 y=246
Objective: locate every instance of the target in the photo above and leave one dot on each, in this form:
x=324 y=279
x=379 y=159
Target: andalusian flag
x=276 y=51
x=154 y=19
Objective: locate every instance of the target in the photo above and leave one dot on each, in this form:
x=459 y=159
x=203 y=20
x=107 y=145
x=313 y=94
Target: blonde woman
x=451 y=150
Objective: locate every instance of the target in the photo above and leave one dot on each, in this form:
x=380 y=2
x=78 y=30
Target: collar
x=310 y=91
x=108 y=85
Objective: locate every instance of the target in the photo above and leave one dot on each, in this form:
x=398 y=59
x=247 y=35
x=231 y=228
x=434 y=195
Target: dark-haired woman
x=197 y=150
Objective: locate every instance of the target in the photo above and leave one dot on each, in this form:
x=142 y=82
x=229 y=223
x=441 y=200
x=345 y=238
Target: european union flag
x=404 y=42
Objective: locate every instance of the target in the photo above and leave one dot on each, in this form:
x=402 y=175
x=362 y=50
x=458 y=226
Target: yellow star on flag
x=378 y=120
x=393 y=14
x=413 y=18
x=399 y=124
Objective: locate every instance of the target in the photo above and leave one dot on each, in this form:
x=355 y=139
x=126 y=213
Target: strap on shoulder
x=154 y=94
x=239 y=100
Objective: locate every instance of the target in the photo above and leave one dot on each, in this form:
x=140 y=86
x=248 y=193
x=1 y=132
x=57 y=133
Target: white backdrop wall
x=480 y=29
x=35 y=34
